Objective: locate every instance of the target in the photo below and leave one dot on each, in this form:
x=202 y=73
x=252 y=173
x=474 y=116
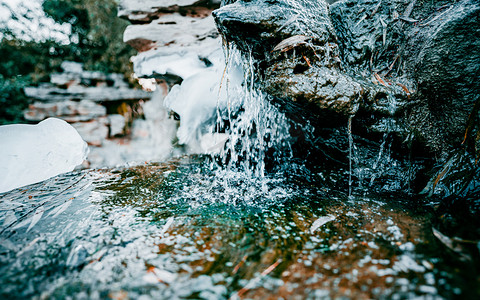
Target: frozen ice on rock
x=199 y=99
x=128 y=8
x=32 y=153
x=182 y=65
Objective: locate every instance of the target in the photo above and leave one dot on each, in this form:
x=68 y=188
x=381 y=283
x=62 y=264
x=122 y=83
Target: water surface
x=180 y=230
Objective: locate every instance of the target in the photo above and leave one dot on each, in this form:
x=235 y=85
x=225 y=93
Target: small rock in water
x=321 y=221
x=77 y=257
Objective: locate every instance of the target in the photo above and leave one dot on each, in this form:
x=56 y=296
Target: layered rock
x=179 y=46
x=86 y=99
x=298 y=55
x=176 y=39
x=76 y=84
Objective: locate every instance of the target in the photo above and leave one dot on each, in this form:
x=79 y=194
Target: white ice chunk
x=199 y=99
x=32 y=153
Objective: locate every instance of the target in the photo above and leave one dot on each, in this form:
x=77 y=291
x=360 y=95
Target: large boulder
x=293 y=43
x=408 y=67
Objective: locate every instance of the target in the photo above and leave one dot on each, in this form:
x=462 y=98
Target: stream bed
x=185 y=230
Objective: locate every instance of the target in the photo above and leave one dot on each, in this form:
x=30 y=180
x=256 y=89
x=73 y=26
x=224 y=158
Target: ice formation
x=201 y=98
x=33 y=153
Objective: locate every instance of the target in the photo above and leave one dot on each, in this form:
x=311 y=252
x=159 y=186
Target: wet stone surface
x=181 y=230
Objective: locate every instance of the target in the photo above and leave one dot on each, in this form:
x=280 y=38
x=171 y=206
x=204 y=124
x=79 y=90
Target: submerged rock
x=178 y=230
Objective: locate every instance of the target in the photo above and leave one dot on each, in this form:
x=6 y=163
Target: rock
x=176 y=39
x=116 y=124
x=70 y=111
x=322 y=88
x=170 y=29
x=306 y=69
x=258 y=26
x=299 y=59
x=97 y=94
x=386 y=62
x=94 y=132
x=149 y=9
x=360 y=27
x=436 y=59
x=444 y=59
x=404 y=74
x=178 y=230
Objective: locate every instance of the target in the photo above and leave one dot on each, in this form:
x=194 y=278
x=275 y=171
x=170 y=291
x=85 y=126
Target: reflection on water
x=182 y=230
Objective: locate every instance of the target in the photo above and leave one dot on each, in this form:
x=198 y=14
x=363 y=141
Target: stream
x=186 y=229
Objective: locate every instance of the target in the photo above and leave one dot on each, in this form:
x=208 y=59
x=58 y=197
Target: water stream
x=220 y=227
x=176 y=230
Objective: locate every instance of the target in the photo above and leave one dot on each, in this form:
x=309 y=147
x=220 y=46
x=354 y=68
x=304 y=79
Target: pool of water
x=184 y=229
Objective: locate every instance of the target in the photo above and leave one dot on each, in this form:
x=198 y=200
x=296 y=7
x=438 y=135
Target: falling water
x=259 y=132
x=350 y=151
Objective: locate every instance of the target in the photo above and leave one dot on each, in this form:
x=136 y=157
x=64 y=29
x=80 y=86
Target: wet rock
x=444 y=60
x=430 y=50
x=387 y=62
x=294 y=45
x=321 y=87
x=105 y=232
x=258 y=26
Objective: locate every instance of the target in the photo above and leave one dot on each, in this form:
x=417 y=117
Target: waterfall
x=222 y=105
x=260 y=132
